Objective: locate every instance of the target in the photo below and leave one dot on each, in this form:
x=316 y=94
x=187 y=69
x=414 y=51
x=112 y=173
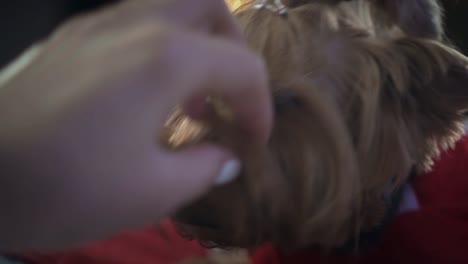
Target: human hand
x=80 y=121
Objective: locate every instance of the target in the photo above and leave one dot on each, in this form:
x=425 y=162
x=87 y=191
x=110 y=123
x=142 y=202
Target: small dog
x=365 y=93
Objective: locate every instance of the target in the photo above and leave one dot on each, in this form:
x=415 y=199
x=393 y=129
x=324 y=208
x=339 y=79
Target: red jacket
x=149 y=246
x=436 y=233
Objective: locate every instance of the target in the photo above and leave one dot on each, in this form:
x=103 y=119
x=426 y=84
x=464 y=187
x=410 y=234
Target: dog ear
x=417 y=18
x=428 y=91
x=443 y=104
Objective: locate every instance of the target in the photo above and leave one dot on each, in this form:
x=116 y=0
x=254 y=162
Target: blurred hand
x=81 y=120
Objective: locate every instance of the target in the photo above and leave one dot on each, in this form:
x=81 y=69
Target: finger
x=197 y=169
x=208 y=16
x=216 y=66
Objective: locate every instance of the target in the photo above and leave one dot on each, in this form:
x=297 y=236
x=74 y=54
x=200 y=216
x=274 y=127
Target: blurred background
x=23 y=22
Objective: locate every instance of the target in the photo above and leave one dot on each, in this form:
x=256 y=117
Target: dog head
x=363 y=91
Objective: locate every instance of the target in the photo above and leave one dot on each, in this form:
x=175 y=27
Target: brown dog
x=365 y=92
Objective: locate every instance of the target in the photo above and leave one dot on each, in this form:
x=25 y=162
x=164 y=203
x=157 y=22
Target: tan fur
x=221 y=257
x=359 y=102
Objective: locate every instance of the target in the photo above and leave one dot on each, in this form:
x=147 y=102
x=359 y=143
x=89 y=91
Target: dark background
x=23 y=22
x=456 y=21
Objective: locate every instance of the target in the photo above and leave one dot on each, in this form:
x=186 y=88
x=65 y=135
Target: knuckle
x=160 y=45
x=161 y=38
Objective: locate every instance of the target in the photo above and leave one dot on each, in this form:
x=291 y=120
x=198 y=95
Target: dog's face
x=360 y=101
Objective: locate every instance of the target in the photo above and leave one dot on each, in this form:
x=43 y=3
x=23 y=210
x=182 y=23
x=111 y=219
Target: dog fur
x=364 y=93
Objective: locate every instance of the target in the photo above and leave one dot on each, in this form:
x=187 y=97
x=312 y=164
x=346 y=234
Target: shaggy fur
x=364 y=92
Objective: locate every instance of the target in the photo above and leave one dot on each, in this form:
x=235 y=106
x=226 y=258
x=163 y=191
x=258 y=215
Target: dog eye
x=284 y=100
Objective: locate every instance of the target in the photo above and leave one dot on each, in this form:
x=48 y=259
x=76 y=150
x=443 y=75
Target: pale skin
x=79 y=152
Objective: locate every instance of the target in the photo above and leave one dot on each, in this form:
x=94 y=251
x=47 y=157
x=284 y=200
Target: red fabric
x=151 y=246
x=436 y=233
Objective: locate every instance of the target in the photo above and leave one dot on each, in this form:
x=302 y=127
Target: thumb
x=196 y=169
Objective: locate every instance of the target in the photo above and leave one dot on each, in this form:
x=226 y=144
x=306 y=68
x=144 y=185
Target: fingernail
x=230 y=171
